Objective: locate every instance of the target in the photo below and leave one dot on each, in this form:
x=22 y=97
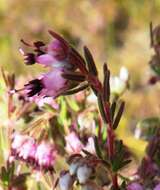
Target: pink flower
x=28 y=149
x=90 y=147
x=45 y=155
x=23 y=147
x=73 y=143
x=157 y=187
x=51 y=84
x=134 y=186
x=61 y=58
x=58 y=53
x=18 y=140
x=45 y=100
x=55 y=55
x=40 y=156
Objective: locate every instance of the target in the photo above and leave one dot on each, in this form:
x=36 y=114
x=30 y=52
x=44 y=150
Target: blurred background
x=117 y=32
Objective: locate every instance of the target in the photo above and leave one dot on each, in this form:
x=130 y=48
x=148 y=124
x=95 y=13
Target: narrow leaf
x=101 y=108
x=78 y=56
x=124 y=163
x=94 y=90
x=86 y=152
x=58 y=37
x=118 y=116
x=105 y=68
x=74 y=76
x=90 y=61
x=113 y=109
x=106 y=86
x=4 y=76
x=75 y=90
x=97 y=148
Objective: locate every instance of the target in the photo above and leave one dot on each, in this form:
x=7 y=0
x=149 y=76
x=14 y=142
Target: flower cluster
x=60 y=58
x=80 y=170
x=41 y=156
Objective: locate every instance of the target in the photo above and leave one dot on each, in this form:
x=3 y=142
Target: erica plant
x=62 y=124
x=70 y=73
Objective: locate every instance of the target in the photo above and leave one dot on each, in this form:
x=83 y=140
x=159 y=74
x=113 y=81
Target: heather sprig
x=72 y=73
x=68 y=114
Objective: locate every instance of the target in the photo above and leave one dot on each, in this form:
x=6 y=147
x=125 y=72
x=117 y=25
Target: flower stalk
x=102 y=91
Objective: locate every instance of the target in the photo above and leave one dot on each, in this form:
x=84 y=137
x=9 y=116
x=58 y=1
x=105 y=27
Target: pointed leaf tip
x=90 y=61
x=119 y=115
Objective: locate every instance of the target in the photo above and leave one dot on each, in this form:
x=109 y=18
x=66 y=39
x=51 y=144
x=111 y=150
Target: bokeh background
x=116 y=31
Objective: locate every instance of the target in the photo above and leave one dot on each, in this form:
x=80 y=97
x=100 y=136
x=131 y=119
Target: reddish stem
x=115 y=181
x=110 y=132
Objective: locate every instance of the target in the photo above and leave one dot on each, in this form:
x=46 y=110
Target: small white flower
x=86 y=123
x=92 y=98
x=118 y=83
x=124 y=75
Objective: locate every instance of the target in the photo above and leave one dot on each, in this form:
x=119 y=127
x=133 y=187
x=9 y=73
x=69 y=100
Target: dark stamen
x=34 y=87
x=29 y=59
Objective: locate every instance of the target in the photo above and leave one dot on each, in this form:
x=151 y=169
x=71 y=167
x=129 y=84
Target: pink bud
x=134 y=186
x=73 y=143
x=157 y=187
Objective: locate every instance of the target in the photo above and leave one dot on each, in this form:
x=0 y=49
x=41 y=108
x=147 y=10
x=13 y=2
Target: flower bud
x=73 y=168
x=65 y=181
x=73 y=143
x=83 y=173
x=157 y=187
x=134 y=186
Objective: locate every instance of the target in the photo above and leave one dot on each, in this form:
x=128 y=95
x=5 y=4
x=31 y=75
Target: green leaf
x=4 y=176
x=97 y=148
x=119 y=115
x=101 y=108
x=124 y=163
x=72 y=103
x=113 y=109
x=75 y=90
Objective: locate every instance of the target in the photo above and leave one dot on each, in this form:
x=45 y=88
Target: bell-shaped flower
x=134 y=186
x=73 y=143
x=157 y=187
x=28 y=149
x=50 y=84
x=45 y=155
